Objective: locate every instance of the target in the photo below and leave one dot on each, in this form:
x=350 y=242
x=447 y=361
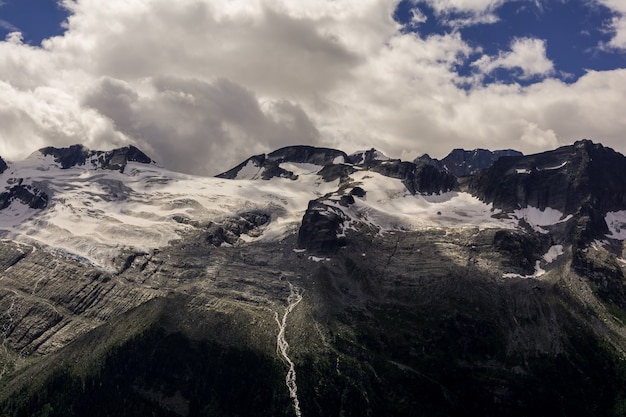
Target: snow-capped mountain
x=384 y=277
x=93 y=204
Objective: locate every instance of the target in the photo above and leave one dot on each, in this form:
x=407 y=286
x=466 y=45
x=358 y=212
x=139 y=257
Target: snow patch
x=553 y=168
x=537 y=218
x=523 y=171
x=251 y=171
x=318 y=259
x=300 y=168
x=553 y=253
x=616 y=222
x=16 y=213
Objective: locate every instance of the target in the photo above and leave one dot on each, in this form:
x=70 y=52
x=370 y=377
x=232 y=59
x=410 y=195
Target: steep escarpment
x=388 y=325
x=570 y=179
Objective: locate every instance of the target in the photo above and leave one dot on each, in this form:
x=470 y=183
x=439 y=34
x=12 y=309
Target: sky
x=200 y=85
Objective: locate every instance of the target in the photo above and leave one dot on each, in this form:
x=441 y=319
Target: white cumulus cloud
x=527 y=55
x=202 y=84
x=618 y=23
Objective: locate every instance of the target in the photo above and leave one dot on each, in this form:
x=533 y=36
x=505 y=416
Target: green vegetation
x=160 y=374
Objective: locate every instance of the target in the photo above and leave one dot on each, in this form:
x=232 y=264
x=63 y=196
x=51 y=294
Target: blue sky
x=201 y=85
x=574 y=32
x=35 y=19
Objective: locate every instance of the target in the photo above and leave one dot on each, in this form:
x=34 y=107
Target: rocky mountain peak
x=303 y=154
x=267 y=166
x=461 y=162
x=67 y=157
x=77 y=155
x=364 y=286
x=586 y=180
x=368 y=156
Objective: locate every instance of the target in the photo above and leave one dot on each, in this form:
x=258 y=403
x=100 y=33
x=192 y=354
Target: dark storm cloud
x=199 y=127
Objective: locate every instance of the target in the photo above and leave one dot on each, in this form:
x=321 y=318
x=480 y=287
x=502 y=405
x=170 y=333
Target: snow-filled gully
x=282 y=347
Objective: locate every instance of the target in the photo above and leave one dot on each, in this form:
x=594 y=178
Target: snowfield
x=94 y=213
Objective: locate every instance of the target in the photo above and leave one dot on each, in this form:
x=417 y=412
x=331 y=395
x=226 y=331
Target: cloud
x=527 y=55
x=617 y=25
x=194 y=126
x=201 y=85
x=467 y=6
x=8 y=25
x=458 y=14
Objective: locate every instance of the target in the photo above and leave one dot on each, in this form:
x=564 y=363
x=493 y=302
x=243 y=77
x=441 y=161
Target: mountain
x=310 y=282
x=462 y=163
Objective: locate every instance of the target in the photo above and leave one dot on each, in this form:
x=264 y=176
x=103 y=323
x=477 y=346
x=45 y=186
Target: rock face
x=567 y=179
x=3 y=165
x=115 y=159
x=26 y=194
x=422 y=313
x=462 y=163
x=367 y=157
x=422 y=180
x=321 y=231
x=268 y=166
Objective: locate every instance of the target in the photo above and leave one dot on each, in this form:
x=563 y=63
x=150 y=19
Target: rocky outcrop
x=230 y=230
x=3 y=165
x=308 y=155
x=462 y=163
x=267 y=166
x=77 y=155
x=366 y=157
x=26 y=194
x=67 y=157
x=321 y=230
x=117 y=159
x=417 y=179
x=567 y=179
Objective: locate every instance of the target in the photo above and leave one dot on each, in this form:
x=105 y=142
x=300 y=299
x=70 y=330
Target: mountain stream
x=282 y=347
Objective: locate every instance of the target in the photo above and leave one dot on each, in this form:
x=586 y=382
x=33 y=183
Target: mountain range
x=310 y=282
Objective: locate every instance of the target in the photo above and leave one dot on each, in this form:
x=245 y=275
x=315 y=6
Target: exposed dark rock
x=231 y=229
x=336 y=171
x=308 y=155
x=585 y=179
x=274 y=170
x=115 y=159
x=358 y=192
x=27 y=194
x=118 y=158
x=68 y=157
x=3 y=165
x=417 y=179
x=346 y=200
x=564 y=179
x=321 y=229
x=462 y=163
x=521 y=249
x=269 y=165
x=256 y=160
x=366 y=157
